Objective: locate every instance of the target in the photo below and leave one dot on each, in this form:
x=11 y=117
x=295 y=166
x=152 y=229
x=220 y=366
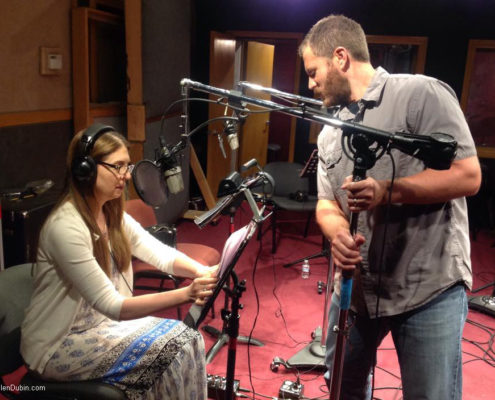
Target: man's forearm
x=330 y=218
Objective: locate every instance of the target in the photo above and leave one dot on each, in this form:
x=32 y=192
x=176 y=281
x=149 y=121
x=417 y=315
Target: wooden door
x=258 y=69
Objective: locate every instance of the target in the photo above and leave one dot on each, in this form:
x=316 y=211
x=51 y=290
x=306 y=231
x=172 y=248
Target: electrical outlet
x=291 y=390
x=50 y=61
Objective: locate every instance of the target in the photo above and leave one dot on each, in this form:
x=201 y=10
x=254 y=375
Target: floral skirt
x=149 y=358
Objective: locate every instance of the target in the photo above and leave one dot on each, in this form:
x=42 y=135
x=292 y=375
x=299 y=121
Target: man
x=411 y=258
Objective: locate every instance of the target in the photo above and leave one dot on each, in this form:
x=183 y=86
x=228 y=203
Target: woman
x=83 y=322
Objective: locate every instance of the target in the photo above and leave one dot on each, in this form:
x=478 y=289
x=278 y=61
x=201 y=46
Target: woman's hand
x=201 y=288
x=207 y=272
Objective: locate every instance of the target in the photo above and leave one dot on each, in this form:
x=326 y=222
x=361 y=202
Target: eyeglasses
x=121 y=169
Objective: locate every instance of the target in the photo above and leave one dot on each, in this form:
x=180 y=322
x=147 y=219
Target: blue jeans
x=428 y=344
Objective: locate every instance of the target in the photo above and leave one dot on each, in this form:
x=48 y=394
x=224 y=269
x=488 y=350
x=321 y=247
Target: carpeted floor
x=283 y=310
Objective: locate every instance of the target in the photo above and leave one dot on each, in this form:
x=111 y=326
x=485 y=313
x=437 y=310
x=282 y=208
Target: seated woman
x=83 y=322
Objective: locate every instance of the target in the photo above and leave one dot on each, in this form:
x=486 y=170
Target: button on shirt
x=427 y=247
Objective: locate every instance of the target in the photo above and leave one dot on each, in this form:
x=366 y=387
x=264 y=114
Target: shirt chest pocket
x=331 y=159
x=333 y=165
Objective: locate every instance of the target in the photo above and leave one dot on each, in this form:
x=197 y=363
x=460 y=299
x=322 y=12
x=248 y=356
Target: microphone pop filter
x=149 y=183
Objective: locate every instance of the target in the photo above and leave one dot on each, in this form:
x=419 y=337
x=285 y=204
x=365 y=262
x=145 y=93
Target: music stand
x=234 y=246
x=311 y=166
x=197 y=314
x=222 y=335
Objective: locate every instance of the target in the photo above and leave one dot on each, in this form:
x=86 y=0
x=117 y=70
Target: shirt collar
x=370 y=97
x=374 y=90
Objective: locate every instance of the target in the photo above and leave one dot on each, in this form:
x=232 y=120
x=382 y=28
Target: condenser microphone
x=172 y=171
x=230 y=129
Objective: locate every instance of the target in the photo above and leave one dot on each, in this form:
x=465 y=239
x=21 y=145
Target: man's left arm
x=430 y=186
x=434 y=108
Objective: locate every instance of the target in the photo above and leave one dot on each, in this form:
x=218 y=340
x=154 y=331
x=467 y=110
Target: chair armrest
x=165 y=233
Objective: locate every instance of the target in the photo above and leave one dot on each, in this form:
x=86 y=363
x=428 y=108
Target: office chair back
x=291 y=193
x=286 y=177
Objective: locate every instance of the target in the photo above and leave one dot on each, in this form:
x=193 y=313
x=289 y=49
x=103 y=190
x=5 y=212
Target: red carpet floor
x=282 y=310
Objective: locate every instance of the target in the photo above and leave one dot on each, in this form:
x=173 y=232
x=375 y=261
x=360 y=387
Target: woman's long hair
x=79 y=192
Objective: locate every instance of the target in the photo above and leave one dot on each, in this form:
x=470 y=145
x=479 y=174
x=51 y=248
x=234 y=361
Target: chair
x=206 y=255
x=15 y=293
x=291 y=193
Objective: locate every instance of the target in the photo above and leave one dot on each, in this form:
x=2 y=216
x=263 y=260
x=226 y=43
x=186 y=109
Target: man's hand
x=364 y=195
x=345 y=249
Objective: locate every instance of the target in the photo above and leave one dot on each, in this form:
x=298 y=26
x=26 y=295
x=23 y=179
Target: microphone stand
x=364 y=159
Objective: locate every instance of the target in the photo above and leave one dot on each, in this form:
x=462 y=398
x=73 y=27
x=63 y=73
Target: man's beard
x=336 y=90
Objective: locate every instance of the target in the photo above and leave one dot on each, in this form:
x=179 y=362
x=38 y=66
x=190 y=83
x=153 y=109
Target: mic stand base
x=312 y=356
x=223 y=339
x=325 y=252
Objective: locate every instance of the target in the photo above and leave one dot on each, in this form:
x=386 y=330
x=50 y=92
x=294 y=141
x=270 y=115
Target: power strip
x=217 y=385
x=291 y=390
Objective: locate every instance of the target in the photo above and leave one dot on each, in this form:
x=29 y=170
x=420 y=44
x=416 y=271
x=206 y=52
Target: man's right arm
x=330 y=218
x=335 y=226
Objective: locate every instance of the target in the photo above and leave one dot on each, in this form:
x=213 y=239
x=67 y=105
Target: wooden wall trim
x=474 y=45
x=80 y=68
x=98 y=110
x=136 y=117
x=420 y=41
x=35 y=117
x=267 y=35
x=133 y=43
x=63 y=114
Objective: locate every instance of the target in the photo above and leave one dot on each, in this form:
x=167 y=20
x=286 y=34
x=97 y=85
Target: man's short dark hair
x=334 y=31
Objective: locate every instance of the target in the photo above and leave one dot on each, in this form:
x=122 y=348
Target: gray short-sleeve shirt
x=427 y=247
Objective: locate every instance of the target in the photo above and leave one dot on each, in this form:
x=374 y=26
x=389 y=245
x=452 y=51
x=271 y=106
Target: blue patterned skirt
x=149 y=358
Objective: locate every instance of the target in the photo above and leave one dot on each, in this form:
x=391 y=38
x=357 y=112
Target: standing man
x=412 y=281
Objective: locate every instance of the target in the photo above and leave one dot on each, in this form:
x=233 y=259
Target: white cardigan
x=66 y=273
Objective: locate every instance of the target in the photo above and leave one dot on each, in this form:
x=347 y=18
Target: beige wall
x=25 y=26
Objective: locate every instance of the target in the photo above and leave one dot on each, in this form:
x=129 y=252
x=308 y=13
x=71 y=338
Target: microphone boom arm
x=278 y=93
x=437 y=150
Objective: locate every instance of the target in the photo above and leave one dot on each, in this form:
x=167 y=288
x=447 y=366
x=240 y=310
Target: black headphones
x=83 y=166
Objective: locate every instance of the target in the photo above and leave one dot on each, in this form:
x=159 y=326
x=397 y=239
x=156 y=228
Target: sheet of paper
x=231 y=246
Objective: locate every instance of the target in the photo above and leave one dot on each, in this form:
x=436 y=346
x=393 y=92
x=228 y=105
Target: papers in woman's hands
x=231 y=246
x=197 y=313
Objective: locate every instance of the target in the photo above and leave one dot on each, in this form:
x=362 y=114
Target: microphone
x=230 y=129
x=220 y=143
x=436 y=150
x=168 y=163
